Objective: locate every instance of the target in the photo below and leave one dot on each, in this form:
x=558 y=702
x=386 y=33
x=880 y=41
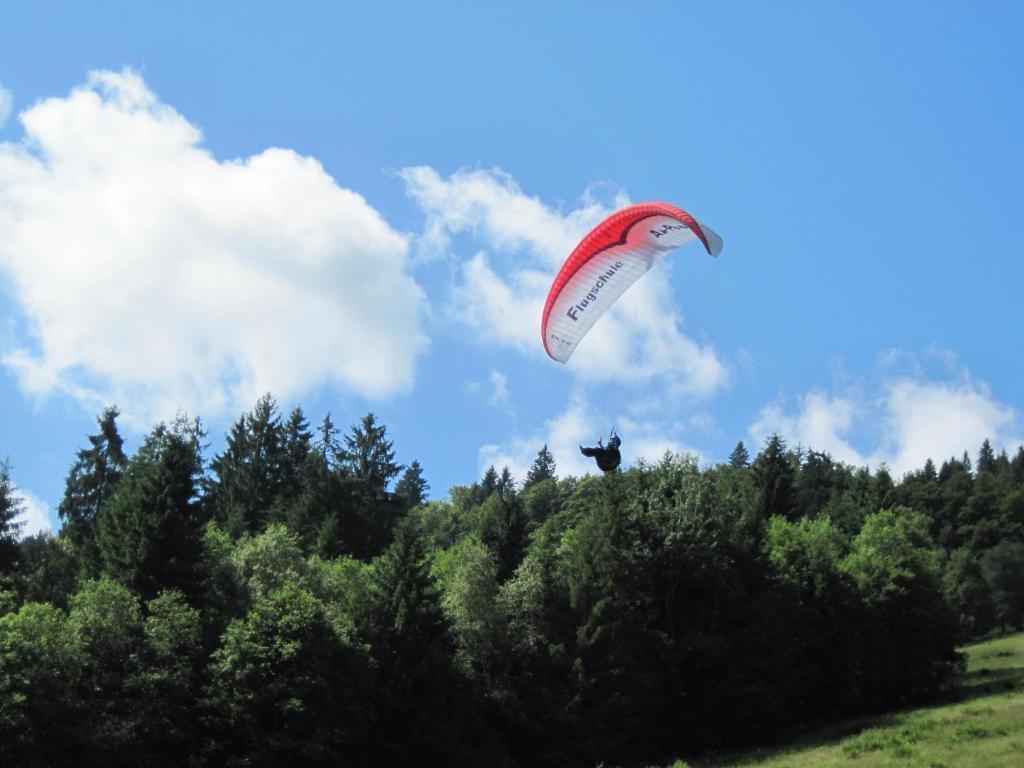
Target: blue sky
x=359 y=207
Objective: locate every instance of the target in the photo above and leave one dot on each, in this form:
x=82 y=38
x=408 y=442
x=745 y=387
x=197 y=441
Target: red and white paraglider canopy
x=615 y=254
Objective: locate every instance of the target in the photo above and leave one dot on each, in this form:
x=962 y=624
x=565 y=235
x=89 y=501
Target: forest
x=300 y=599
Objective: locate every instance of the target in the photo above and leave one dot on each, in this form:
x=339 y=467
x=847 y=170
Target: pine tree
x=412 y=488
x=884 y=488
x=327 y=444
x=10 y=508
x=297 y=444
x=1017 y=466
x=739 y=458
x=150 y=530
x=369 y=456
x=501 y=524
x=986 y=458
x=814 y=487
x=250 y=476
x=956 y=485
x=489 y=482
x=91 y=481
x=773 y=470
x=543 y=468
x=368 y=466
x=409 y=637
x=506 y=483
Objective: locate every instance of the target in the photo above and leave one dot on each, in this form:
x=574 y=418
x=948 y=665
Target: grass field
x=982 y=727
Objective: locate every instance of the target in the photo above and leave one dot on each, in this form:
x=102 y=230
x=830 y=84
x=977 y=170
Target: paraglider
x=615 y=254
x=607 y=457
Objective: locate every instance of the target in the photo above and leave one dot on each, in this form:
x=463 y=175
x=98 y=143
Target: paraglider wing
x=615 y=254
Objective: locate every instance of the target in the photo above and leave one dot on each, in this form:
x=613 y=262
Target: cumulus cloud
x=910 y=421
x=34 y=514
x=502 y=289
x=499 y=389
x=821 y=422
x=494 y=390
x=491 y=205
x=6 y=103
x=929 y=420
x=572 y=427
x=154 y=275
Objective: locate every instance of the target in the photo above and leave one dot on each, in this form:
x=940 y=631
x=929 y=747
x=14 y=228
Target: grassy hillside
x=982 y=726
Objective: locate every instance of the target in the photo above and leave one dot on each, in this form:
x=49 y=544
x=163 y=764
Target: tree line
x=298 y=599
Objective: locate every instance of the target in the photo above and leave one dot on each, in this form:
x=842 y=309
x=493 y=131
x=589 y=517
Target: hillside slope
x=981 y=727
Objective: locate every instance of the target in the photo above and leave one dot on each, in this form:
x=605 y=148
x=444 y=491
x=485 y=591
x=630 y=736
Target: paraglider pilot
x=607 y=458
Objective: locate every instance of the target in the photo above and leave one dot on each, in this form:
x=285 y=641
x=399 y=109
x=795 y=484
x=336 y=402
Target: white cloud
x=35 y=514
x=490 y=204
x=502 y=290
x=500 y=309
x=6 y=104
x=494 y=391
x=499 y=395
x=910 y=421
x=937 y=421
x=580 y=424
x=155 y=276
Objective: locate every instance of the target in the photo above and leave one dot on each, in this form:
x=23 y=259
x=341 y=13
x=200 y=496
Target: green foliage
x=107 y=618
x=968 y=594
x=42 y=662
x=47 y=571
x=773 y=469
x=972 y=729
x=892 y=553
x=543 y=468
x=289 y=607
x=501 y=524
x=805 y=554
x=740 y=457
x=467 y=575
x=10 y=509
x=266 y=562
x=253 y=472
x=170 y=671
x=1003 y=570
x=342 y=585
x=91 y=481
x=368 y=454
x=283 y=687
x=895 y=568
x=412 y=488
x=150 y=529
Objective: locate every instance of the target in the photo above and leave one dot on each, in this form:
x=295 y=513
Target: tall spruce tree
x=368 y=467
x=814 y=487
x=250 y=476
x=369 y=455
x=956 y=485
x=297 y=444
x=91 y=481
x=1017 y=466
x=409 y=637
x=327 y=444
x=150 y=531
x=489 y=482
x=740 y=457
x=10 y=508
x=986 y=458
x=773 y=469
x=412 y=488
x=543 y=468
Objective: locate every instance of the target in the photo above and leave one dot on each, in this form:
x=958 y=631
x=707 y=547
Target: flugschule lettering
x=591 y=297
